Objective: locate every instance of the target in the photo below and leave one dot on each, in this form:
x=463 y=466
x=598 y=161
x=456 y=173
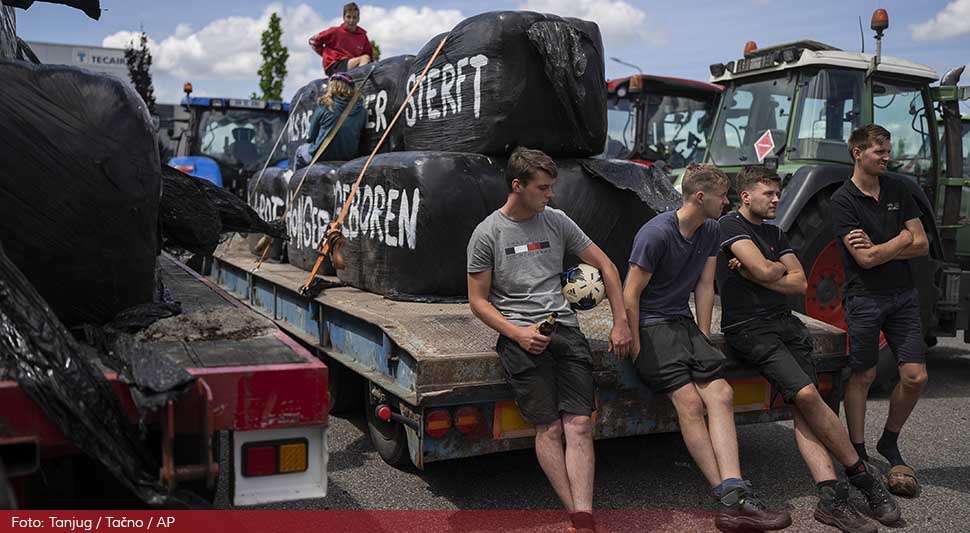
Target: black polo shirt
x=882 y=220
x=743 y=300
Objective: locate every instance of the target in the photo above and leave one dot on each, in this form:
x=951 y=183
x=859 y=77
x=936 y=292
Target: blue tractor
x=227 y=140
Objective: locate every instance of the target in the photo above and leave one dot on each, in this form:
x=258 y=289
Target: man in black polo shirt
x=877 y=225
x=756 y=269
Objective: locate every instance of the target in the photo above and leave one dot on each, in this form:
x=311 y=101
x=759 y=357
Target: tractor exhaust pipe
x=952 y=133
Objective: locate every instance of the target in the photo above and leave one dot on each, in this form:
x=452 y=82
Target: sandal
x=902 y=481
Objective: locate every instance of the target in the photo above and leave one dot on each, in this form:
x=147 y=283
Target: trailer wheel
x=388 y=438
x=814 y=239
x=345 y=387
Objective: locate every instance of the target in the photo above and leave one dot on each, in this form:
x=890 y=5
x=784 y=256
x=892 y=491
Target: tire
x=813 y=239
x=388 y=438
x=344 y=386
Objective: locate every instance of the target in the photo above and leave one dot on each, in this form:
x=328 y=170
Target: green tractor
x=794 y=105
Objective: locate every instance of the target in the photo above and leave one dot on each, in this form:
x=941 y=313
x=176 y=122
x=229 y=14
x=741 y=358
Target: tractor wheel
x=388 y=438
x=344 y=386
x=813 y=238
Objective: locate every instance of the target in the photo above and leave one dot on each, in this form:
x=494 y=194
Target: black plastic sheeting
x=269 y=199
x=511 y=78
x=382 y=96
x=25 y=53
x=80 y=189
x=8 y=32
x=39 y=353
x=410 y=222
x=302 y=105
x=311 y=212
x=597 y=195
x=91 y=8
x=196 y=215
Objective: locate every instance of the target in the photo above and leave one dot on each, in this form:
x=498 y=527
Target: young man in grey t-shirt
x=515 y=257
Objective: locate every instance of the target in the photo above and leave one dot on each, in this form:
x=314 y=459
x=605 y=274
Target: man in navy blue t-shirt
x=674 y=254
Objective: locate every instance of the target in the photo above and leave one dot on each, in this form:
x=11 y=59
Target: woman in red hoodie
x=344 y=47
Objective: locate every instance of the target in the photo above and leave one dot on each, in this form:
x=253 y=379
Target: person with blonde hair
x=340 y=90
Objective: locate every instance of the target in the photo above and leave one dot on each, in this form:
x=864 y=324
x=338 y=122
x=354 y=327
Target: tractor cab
x=229 y=139
x=652 y=118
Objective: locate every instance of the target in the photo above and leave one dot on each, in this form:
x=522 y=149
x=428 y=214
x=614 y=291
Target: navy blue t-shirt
x=675 y=263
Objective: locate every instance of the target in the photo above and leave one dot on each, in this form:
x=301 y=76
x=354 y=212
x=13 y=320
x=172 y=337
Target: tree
x=139 y=70
x=377 y=50
x=273 y=70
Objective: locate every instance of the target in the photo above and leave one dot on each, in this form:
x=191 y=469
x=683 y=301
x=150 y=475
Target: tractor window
x=900 y=109
x=675 y=129
x=748 y=110
x=621 y=129
x=241 y=138
x=828 y=111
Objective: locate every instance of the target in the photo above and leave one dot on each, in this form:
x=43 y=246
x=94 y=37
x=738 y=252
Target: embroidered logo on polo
x=523 y=248
x=892 y=207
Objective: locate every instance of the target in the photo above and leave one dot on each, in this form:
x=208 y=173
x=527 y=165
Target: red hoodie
x=337 y=43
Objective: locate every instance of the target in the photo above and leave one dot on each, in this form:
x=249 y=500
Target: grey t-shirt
x=525 y=258
x=674 y=262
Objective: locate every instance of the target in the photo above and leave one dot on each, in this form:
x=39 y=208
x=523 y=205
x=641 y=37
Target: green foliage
x=273 y=70
x=139 y=70
x=377 y=50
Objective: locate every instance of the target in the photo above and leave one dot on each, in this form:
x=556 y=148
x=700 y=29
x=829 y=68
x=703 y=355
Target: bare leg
x=822 y=424
x=552 y=459
x=912 y=378
x=856 y=394
x=813 y=451
x=690 y=414
x=580 y=460
x=719 y=399
x=358 y=61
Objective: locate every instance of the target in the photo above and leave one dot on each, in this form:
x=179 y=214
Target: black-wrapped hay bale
x=269 y=197
x=79 y=189
x=511 y=78
x=311 y=211
x=410 y=222
x=302 y=105
x=382 y=96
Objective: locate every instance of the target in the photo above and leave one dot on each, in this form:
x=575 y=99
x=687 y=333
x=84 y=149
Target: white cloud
x=952 y=21
x=620 y=22
x=229 y=48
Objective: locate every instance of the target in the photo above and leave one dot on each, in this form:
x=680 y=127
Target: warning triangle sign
x=764 y=145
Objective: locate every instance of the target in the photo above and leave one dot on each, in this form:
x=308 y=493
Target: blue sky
x=217 y=47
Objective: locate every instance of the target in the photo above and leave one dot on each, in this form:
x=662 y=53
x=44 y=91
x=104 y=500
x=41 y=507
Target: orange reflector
x=293 y=458
x=466 y=419
x=187 y=87
x=636 y=83
x=508 y=422
x=752 y=394
x=437 y=423
x=824 y=384
x=184 y=168
x=750 y=47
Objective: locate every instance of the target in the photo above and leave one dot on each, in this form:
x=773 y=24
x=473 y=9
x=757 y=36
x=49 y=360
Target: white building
x=110 y=61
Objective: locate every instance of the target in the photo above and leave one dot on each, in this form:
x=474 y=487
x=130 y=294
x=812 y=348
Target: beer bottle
x=549 y=324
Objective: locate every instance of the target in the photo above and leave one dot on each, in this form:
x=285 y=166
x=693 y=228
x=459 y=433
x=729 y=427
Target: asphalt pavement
x=650 y=482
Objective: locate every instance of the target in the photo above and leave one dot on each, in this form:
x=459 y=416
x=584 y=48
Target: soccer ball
x=582 y=285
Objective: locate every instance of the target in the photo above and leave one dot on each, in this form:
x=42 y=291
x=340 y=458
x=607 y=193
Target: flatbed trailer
x=434 y=385
x=255 y=386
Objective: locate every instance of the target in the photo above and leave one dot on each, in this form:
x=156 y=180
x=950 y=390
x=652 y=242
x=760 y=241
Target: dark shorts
x=557 y=381
x=339 y=66
x=675 y=353
x=781 y=349
x=896 y=314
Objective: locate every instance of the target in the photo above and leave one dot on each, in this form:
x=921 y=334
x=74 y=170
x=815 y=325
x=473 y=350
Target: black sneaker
x=740 y=509
x=834 y=510
x=882 y=505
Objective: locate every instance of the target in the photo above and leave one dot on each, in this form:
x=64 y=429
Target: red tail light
x=259 y=461
x=467 y=419
x=437 y=423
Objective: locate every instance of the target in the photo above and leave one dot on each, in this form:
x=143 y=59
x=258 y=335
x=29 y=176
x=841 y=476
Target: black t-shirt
x=741 y=299
x=882 y=220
